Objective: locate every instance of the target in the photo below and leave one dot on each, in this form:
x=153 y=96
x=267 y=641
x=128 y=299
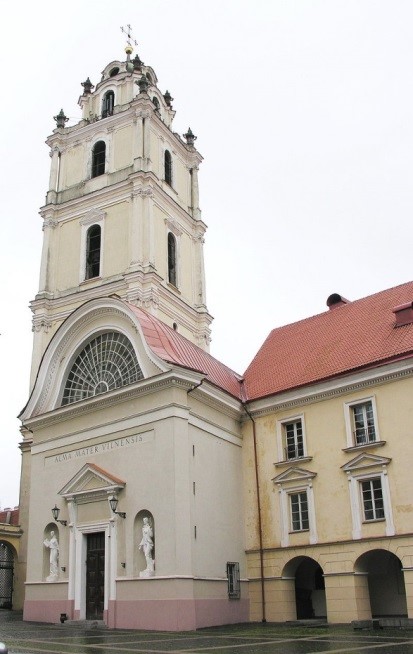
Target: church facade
x=160 y=489
x=131 y=425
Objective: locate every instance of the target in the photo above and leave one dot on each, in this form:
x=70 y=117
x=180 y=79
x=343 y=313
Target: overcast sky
x=303 y=111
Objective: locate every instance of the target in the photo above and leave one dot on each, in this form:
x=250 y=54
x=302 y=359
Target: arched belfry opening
x=168 y=167
x=108 y=103
x=93 y=251
x=98 y=158
x=172 y=276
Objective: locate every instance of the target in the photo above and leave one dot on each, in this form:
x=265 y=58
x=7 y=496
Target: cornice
x=116 y=191
x=359 y=543
x=144 y=387
x=325 y=390
x=77 y=295
x=86 y=129
x=217 y=398
x=215 y=429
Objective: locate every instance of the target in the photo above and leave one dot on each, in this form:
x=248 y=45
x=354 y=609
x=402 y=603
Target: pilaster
x=408 y=583
x=347 y=597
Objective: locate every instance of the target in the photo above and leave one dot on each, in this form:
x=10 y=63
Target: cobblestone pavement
x=32 y=638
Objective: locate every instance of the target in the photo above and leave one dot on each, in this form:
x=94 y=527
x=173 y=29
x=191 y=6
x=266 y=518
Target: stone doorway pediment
x=91 y=483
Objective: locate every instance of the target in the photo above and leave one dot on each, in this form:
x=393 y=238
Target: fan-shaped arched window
x=93 y=245
x=98 y=158
x=172 y=259
x=107 y=362
x=168 y=167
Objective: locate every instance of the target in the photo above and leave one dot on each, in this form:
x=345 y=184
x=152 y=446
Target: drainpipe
x=264 y=619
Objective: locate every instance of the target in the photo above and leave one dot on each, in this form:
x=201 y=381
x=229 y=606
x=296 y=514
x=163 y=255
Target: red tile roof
x=347 y=337
x=174 y=348
x=10 y=516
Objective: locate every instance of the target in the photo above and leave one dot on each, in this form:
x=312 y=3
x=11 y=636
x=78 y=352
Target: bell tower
x=122 y=214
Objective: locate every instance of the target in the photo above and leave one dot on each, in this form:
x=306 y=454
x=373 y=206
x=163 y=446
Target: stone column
x=347 y=597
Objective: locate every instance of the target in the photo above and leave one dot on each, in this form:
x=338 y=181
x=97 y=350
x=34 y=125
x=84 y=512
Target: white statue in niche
x=146 y=545
x=53 y=545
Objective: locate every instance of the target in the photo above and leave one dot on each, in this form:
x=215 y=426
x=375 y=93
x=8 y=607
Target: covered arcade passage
x=385 y=581
x=310 y=597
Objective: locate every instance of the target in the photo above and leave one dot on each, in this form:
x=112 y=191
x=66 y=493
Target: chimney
x=335 y=300
x=403 y=314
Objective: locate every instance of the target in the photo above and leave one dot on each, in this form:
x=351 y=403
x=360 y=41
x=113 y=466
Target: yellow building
x=327 y=457
x=160 y=489
x=11 y=573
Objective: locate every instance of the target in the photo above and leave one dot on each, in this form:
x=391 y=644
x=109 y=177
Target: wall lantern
x=113 y=501
x=55 y=514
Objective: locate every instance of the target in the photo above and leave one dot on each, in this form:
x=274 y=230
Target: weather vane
x=128 y=32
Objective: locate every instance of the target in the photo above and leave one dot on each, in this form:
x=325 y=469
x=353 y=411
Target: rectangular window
x=234 y=585
x=299 y=511
x=364 y=430
x=372 y=496
x=294 y=441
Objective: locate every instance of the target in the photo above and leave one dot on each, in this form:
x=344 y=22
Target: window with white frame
x=297 y=507
x=372 y=499
x=361 y=423
x=291 y=440
x=294 y=442
x=98 y=158
x=299 y=511
x=369 y=488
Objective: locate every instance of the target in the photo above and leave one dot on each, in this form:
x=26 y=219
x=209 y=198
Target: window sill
x=369 y=522
x=298 y=531
x=364 y=446
x=167 y=185
x=91 y=281
x=288 y=462
x=173 y=288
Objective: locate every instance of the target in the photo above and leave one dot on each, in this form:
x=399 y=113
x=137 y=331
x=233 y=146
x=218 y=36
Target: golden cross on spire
x=128 y=31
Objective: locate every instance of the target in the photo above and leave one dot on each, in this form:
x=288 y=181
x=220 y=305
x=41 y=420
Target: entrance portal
x=6 y=576
x=95 y=576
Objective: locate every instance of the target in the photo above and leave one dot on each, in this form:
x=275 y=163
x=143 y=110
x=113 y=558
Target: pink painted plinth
x=176 y=615
x=47 y=610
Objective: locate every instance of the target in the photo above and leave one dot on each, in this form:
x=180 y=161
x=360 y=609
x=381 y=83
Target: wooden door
x=95 y=576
